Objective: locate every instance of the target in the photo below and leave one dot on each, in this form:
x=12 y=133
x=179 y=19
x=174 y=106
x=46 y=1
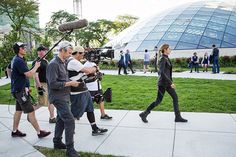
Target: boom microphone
x=73 y=25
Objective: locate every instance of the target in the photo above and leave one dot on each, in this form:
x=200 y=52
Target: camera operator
x=20 y=90
x=95 y=87
x=59 y=95
x=40 y=81
x=81 y=99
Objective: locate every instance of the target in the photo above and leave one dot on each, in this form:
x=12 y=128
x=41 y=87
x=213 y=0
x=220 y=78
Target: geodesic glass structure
x=195 y=25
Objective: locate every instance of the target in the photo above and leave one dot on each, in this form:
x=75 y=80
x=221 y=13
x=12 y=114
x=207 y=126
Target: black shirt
x=18 y=79
x=42 y=70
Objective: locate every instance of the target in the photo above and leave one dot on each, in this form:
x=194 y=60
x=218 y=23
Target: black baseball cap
x=42 y=48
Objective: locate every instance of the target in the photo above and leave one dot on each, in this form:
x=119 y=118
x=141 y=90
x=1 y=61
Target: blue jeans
x=65 y=121
x=81 y=103
x=216 y=67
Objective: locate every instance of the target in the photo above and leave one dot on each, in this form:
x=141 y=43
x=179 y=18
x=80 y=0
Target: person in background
x=41 y=83
x=20 y=90
x=205 y=62
x=215 y=56
x=59 y=95
x=194 y=63
x=122 y=63
x=128 y=61
x=165 y=83
x=146 y=61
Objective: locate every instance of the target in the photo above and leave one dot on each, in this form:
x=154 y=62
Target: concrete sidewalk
x=205 y=135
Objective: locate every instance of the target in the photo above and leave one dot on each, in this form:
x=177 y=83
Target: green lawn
x=135 y=93
x=48 y=152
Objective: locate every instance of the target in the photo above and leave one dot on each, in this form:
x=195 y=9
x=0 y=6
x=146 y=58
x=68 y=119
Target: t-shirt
x=18 y=79
x=146 y=57
x=42 y=70
x=74 y=68
x=92 y=86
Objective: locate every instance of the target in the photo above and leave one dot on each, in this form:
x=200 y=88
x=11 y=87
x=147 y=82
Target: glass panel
x=177 y=28
x=221 y=15
x=190 y=11
x=190 y=38
x=232 y=23
x=147 y=45
x=207 y=9
x=155 y=36
x=202 y=17
x=198 y=23
x=233 y=17
x=230 y=38
x=219 y=20
x=213 y=34
x=231 y=30
x=182 y=45
x=221 y=10
x=159 y=28
x=182 y=22
x=145 y=30
x=186 y=16
x=139 y=37
x=171 y=43
x=195 y=30
x=172 y=36
x=205 y=13
x=208 y=42
x=202 y=47
x=216 y=26
x=132 y=46
x=227 y=45
x=166 y=21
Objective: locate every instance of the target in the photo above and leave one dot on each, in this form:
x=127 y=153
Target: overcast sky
x=107 y=9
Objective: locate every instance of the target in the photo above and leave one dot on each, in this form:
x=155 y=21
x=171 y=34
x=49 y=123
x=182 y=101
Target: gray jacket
x=165 y=71
x=57 y=76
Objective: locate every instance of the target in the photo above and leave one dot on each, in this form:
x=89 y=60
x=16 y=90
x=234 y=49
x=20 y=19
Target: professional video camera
x=99 y=54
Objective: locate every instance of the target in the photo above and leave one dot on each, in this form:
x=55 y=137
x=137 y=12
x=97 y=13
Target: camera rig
x=99 y=54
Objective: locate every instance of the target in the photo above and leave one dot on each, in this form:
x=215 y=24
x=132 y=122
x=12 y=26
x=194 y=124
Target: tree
x=22 y=15
x=124 y=21
x=96 y=34
x=58 y=18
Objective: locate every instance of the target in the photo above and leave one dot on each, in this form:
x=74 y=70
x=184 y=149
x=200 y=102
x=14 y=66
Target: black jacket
x=165 y=71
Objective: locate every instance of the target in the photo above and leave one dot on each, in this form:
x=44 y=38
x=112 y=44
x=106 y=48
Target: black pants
x=131 y=67
x=124 y=67
x=160 y=95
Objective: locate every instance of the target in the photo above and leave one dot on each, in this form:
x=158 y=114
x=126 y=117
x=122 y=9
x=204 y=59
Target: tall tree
x=58 y=18
x=23 y=17
x=124 y=21
x=22 y=14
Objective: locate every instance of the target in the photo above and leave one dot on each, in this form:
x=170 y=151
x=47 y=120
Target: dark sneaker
x=53 y=120
x=71 y=152
x=59 y=145
x=99 y=131
x=43 y=133
x=106 y=117
x=18 y=134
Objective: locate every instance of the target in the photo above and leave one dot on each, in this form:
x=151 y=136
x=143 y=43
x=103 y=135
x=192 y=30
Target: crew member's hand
x=37 y=64
x=173 y=85
x=74 y=83
x=26 y=90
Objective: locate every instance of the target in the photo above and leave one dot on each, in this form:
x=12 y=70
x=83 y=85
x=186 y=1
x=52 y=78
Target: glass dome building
x=187 y=28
